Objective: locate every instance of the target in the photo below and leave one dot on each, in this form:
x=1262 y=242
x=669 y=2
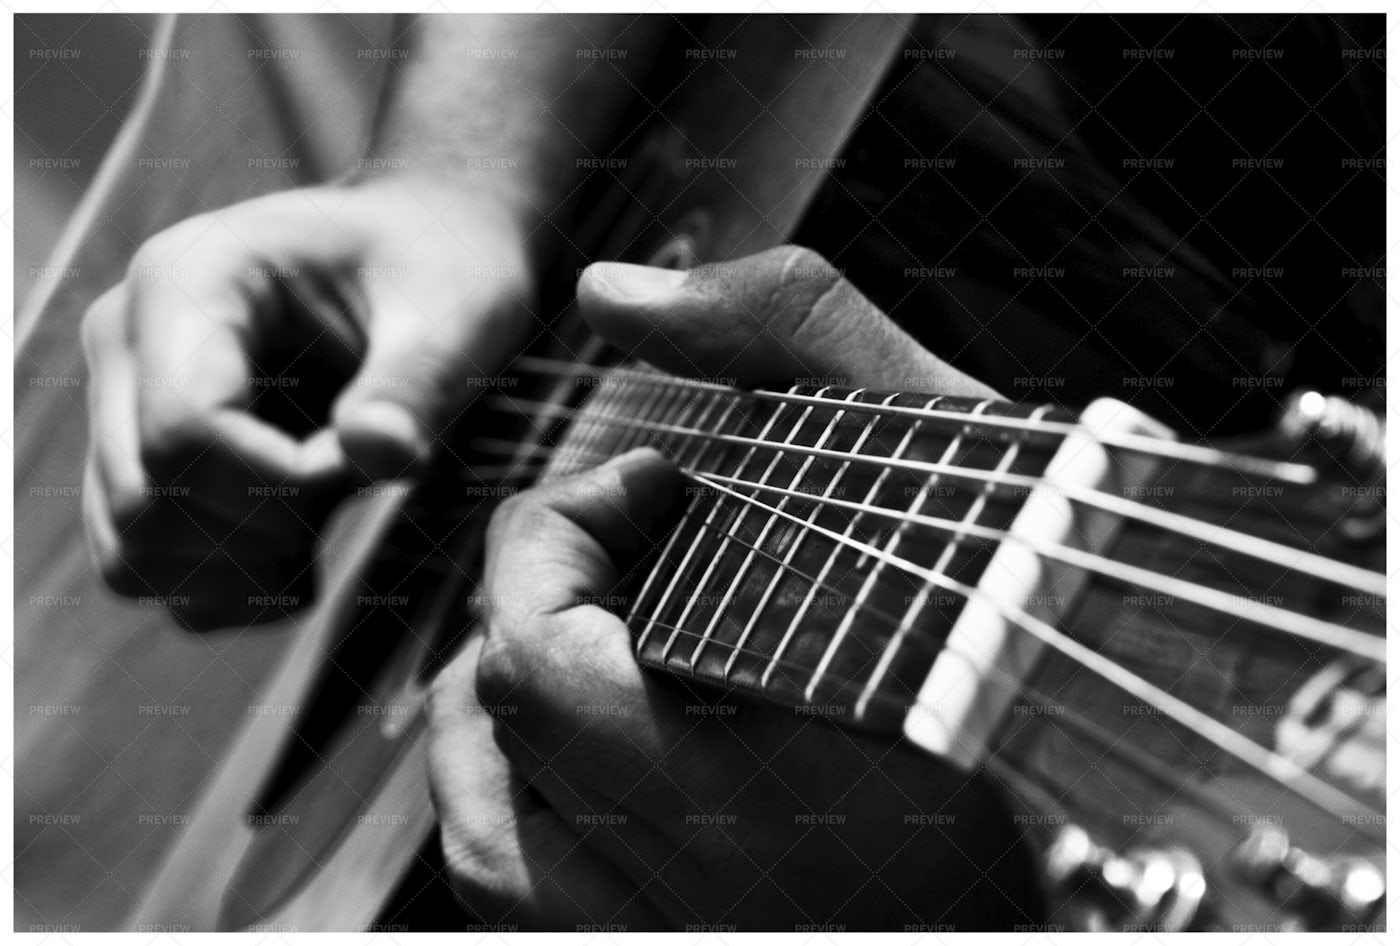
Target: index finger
x=559 y=659
x=208 y=300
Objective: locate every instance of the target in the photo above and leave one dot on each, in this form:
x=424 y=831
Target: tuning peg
x=1352 y=435
x=1351 y=438
x=1329 y=893
x=1146 y=888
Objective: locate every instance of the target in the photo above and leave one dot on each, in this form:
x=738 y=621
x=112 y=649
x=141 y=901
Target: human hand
x=649 y=804
x=261 y=361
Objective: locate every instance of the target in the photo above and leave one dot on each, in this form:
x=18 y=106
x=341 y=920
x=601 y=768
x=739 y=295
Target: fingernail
x=640 y=283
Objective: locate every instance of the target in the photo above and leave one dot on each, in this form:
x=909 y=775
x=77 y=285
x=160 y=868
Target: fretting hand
x=597 y=793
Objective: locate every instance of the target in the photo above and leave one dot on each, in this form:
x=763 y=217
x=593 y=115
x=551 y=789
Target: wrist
x=490 y=220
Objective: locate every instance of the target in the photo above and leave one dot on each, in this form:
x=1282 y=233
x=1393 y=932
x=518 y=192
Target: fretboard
x=768 y=585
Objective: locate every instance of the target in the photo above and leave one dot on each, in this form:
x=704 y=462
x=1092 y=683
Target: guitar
x=1169 y=656
x=1179 y=684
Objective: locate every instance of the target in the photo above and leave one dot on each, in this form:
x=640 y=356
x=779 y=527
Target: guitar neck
x=913 y=564
x=776 y=581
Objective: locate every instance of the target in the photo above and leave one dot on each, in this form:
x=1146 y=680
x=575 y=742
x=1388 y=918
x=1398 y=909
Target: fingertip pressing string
x=1287 y=773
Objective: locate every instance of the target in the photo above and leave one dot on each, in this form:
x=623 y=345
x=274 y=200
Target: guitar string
x=716 y=558
x=741 y=573
x=1296 y=473
x=1276 y=767
x=1203 y=793
x=1250 y=752
x=975 y=507
x=1359 y=643
x=1340 y=573
x=1206 y=795
x=1270 y=764
x=1268 y=616
x=889 y=699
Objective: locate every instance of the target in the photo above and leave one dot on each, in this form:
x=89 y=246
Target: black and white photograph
x=724 y=469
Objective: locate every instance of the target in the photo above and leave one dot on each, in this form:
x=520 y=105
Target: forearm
x=507 y=109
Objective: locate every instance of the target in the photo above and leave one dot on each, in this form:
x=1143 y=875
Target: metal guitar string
x=1341 y=573
x=1321 y=795
x=1297 y=473
x=1278 y=768
x=1090 y=496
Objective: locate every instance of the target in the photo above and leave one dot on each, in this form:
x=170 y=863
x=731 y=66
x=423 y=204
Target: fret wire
x=643 y=407
x=873 y=575
x=1320 y=566
x=704 y=446
x=870 y=608
x=591 y=417
x=718 y=556
x=618 y=406
x=1296 y=623
x=974 y=512
x=694 y=549
x=689 y=405
x=765 y=530
x=798 y=541
x=617 y=396
x=1205 y=722
x=1113 y=742
x=709 y=517
x=597 y=418
x=875 y=610
x=1299 y=474
x=791 y=631
x=1252 y=754
x=1267 y=762
x=1326 y=633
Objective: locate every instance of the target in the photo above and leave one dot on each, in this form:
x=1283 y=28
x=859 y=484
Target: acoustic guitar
x=1169 y=657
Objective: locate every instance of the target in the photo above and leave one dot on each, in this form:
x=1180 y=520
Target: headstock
x=1147 y=820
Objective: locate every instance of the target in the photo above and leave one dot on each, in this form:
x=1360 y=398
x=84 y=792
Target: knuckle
x=802 y=264
x=429 y=378
x=805 y=278
x=500 y=671
x=479 y=881
x=205 y=260
x=157 y=252
x=516 y=516
x=448 y=689
x=438 y=377
x=100 y=322
x=814 y=306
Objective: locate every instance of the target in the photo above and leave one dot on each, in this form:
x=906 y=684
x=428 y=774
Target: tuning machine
x=1325 y=893
x=1141 y=889
x=1349 y=437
